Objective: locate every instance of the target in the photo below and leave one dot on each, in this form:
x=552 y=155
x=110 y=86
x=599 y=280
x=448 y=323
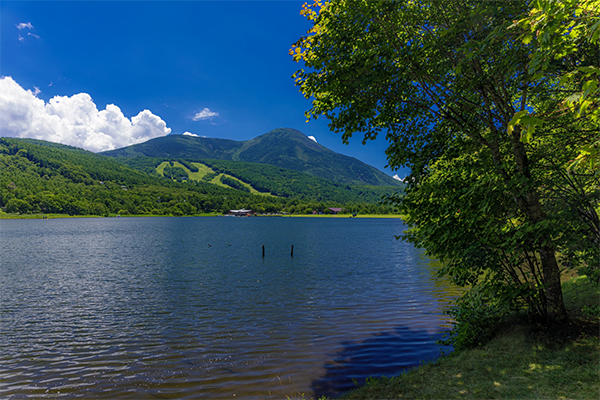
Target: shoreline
x=522 y=360
x=60 y=216
x=344 y=216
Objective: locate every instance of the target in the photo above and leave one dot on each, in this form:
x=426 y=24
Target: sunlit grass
x=4 y=215
x=204 y=170
x=42 y=216
x=517 y=364
x=111 y=215
x=345 y=215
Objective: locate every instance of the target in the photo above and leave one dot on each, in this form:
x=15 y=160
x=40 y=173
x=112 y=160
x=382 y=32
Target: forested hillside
x=283 y=148
x=263 y=178
x=42 y=177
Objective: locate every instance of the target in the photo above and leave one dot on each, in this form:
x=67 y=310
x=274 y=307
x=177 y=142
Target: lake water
x=189 y=308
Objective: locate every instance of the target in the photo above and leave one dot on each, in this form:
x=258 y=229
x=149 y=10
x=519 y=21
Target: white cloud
x=21 y=38
x=313 y=139
x=24 y=25
x=73 y=120
x=193 y=134
x=31 y=34
x=204 y=114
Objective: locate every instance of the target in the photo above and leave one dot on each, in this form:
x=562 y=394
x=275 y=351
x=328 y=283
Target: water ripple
x=134 y=308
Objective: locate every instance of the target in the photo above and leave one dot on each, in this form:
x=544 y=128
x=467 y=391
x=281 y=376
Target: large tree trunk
x=555 y=306
x=531 y=206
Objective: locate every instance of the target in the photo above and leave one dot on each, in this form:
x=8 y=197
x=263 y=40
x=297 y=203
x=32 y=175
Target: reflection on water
x=188 y=307
x=382 y=354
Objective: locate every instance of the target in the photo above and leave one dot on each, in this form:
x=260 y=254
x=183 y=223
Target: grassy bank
x=344 y=215
x=43 y=216
x=521 y=362
x=53 y=216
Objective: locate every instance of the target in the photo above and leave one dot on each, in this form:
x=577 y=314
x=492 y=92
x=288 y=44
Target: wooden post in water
x=292 y=252
x=263 y=247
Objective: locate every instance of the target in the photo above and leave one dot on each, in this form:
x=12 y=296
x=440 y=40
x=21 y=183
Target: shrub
x=475 y=316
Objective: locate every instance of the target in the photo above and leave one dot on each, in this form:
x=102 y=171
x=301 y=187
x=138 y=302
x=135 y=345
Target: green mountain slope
x=283 y=147
x=179 y=146
x=290 y=183
x=263 y=178
x=43 y=177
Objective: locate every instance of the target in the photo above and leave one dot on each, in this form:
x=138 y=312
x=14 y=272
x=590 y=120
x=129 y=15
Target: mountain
x=43 y=177
x=283 y=147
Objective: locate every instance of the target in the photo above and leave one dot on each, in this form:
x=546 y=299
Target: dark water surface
x=187 y=307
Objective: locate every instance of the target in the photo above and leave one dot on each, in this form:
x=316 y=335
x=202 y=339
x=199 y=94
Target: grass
x=55 y=216
x=204 y=170
x=344 y=215
x=161 y=167
x=4 y=215
x=195 y=176
x=521 y=362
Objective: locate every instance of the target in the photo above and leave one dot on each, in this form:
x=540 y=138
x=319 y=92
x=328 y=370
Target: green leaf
x=516 y=119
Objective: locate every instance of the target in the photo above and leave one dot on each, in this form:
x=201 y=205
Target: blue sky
x=211 y=68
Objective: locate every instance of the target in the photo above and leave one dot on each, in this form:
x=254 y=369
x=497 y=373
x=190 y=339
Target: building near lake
x=241 y=213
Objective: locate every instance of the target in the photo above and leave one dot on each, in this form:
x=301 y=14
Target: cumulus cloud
x=313 y=139
x=204 y=114
x=75 y=120
x=31 y=34
x=24 y=25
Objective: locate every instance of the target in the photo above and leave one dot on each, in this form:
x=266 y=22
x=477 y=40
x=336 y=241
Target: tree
x=17 y=206
x=443 y=80
x=566 y=50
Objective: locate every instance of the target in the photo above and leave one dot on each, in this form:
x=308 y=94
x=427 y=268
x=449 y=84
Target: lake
x=189 y=307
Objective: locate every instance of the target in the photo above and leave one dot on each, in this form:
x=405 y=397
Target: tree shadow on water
x=383 y=354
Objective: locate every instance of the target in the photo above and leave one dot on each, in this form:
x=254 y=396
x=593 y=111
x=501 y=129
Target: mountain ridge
x=282 y=147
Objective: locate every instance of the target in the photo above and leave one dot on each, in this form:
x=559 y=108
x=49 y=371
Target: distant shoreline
x=346 y=216
x=57 y=216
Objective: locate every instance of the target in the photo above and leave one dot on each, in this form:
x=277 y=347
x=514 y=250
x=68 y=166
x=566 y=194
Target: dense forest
x=42 y=177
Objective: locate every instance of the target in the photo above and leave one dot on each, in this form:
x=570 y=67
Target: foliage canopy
x=565 y=39
x=443 y=81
